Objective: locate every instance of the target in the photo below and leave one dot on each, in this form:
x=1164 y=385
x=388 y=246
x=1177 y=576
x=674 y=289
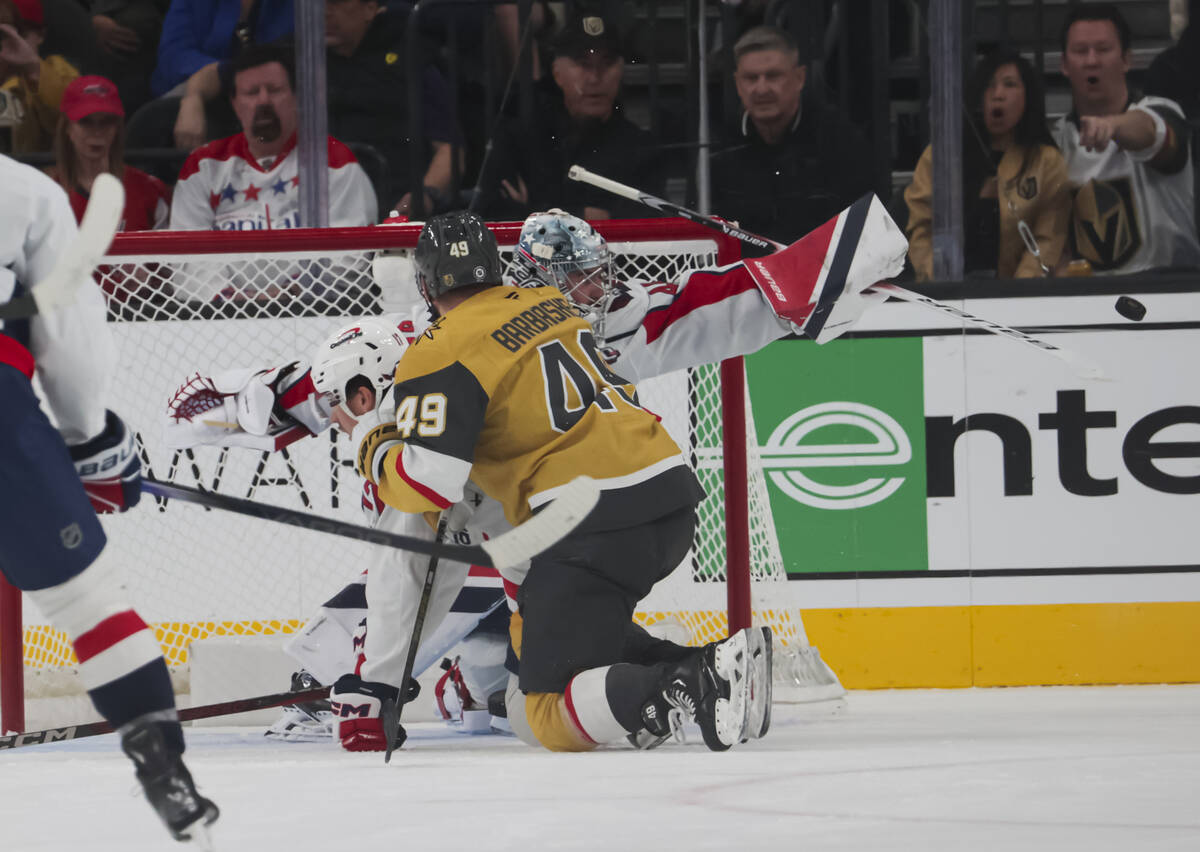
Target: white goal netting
x=196 y=574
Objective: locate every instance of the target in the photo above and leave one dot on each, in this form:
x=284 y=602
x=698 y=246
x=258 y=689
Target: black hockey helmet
x=455 y=250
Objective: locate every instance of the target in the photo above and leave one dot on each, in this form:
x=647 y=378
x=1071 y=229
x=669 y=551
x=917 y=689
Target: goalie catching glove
x=262 y=409
x=357 y=707
x=109 y=467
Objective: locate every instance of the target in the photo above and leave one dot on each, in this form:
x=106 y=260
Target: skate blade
x=733 y=665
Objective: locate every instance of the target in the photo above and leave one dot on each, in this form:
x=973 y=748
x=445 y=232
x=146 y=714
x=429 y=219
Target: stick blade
x=574 y=502
x=106 y=204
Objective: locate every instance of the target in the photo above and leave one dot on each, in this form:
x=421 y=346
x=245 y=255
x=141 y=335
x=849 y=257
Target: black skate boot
x=167 y=782
x=711 y=686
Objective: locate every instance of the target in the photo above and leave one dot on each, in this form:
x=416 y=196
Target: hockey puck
x=1131 y=308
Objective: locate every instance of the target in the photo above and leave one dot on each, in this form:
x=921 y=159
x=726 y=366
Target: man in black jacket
x=579 y=120
x=368 y=99
x=792 y=163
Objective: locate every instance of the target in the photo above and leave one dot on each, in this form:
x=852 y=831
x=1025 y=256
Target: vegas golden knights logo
x=1106 y=230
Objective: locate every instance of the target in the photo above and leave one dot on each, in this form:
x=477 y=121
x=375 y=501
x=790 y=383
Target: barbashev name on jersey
x=531 y=322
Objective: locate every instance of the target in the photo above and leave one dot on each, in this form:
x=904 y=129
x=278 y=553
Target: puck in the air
x=1130 y=308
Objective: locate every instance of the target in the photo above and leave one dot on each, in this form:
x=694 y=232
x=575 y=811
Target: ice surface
x=1063 y=768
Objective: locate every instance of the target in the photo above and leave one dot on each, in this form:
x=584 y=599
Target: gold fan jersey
x=508 y=389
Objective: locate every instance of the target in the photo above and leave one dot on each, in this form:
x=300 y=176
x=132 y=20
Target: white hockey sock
x=110 y=639
x=587 y=703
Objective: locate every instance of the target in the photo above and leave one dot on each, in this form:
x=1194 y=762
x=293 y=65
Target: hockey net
x=182 y=303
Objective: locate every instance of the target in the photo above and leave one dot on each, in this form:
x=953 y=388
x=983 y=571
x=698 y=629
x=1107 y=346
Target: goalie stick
x=1080 y=365
x=187 y=714
x=75 y=265
x=390 y=711
x=575 y=500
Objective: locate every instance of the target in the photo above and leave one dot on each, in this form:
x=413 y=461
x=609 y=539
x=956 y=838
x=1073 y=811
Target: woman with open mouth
x=1016 y=204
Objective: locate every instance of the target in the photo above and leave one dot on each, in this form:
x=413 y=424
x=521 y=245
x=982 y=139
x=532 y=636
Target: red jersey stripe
x=570 y=701
x=697 y=294
x=108 y=633
x=424 y=490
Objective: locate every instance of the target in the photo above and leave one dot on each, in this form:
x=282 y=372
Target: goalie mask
x=455 y=250
x=366 y=350
x=563 y=251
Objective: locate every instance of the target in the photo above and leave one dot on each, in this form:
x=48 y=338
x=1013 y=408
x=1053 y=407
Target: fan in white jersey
x=648 y=329
x=1128 y=159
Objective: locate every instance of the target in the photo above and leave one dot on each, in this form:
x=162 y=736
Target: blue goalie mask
x=563 y=251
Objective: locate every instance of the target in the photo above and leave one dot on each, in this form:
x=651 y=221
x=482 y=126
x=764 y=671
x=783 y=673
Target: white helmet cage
x=369 y=348
x=563 y=251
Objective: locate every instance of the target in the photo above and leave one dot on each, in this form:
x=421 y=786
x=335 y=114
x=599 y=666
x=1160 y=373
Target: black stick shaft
x=204 y=711
x=392 y=725
x=308 y=521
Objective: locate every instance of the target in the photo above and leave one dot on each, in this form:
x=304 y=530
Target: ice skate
x=168 y=784
x=712 y=687
x=306 y=722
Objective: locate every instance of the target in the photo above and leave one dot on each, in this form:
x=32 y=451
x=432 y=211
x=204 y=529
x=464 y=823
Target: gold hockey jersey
x=508 y=389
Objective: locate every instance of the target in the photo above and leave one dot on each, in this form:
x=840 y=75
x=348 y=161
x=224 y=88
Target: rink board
x=961 y=510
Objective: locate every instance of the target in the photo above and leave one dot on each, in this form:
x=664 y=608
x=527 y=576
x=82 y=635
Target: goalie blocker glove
x=357 y=707
x=109 y=467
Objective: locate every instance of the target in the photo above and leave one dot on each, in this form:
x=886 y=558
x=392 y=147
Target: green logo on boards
x=841 y=430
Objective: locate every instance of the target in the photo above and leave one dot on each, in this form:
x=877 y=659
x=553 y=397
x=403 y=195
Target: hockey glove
x=357 y=706
x=109 y=467
x=261 y=409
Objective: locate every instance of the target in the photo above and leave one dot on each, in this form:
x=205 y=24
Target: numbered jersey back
x=510 y=383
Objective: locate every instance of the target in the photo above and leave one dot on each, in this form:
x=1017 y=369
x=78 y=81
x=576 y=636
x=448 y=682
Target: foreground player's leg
x=123 y=671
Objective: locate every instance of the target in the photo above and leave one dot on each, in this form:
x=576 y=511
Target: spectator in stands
x=197 y=34
x=36 y=83
x=127 y=33
x=1127 y=156
x=199 y=39
x=249 y=181
x=794 y=162
x=579 y=120
x=367 y=92
x=90 y=140
x=1014 y=179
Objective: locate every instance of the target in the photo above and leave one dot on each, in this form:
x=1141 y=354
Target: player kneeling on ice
x=483 y=394
x=646 y=328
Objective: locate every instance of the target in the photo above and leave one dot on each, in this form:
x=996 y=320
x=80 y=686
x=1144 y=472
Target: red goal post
x=182 y=302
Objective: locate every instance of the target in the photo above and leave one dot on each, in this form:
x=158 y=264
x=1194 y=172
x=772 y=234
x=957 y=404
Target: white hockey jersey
x=1128 y=215
x=223 y=187
x=71 y=345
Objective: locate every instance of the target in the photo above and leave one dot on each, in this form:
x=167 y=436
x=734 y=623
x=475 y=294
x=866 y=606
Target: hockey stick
x=389 y=712
x=75 y=265
x=187 y=714
x=1079 y=365
x=575 y=500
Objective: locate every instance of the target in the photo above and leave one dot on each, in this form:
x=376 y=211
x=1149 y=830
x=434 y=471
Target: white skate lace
x=683 y=709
